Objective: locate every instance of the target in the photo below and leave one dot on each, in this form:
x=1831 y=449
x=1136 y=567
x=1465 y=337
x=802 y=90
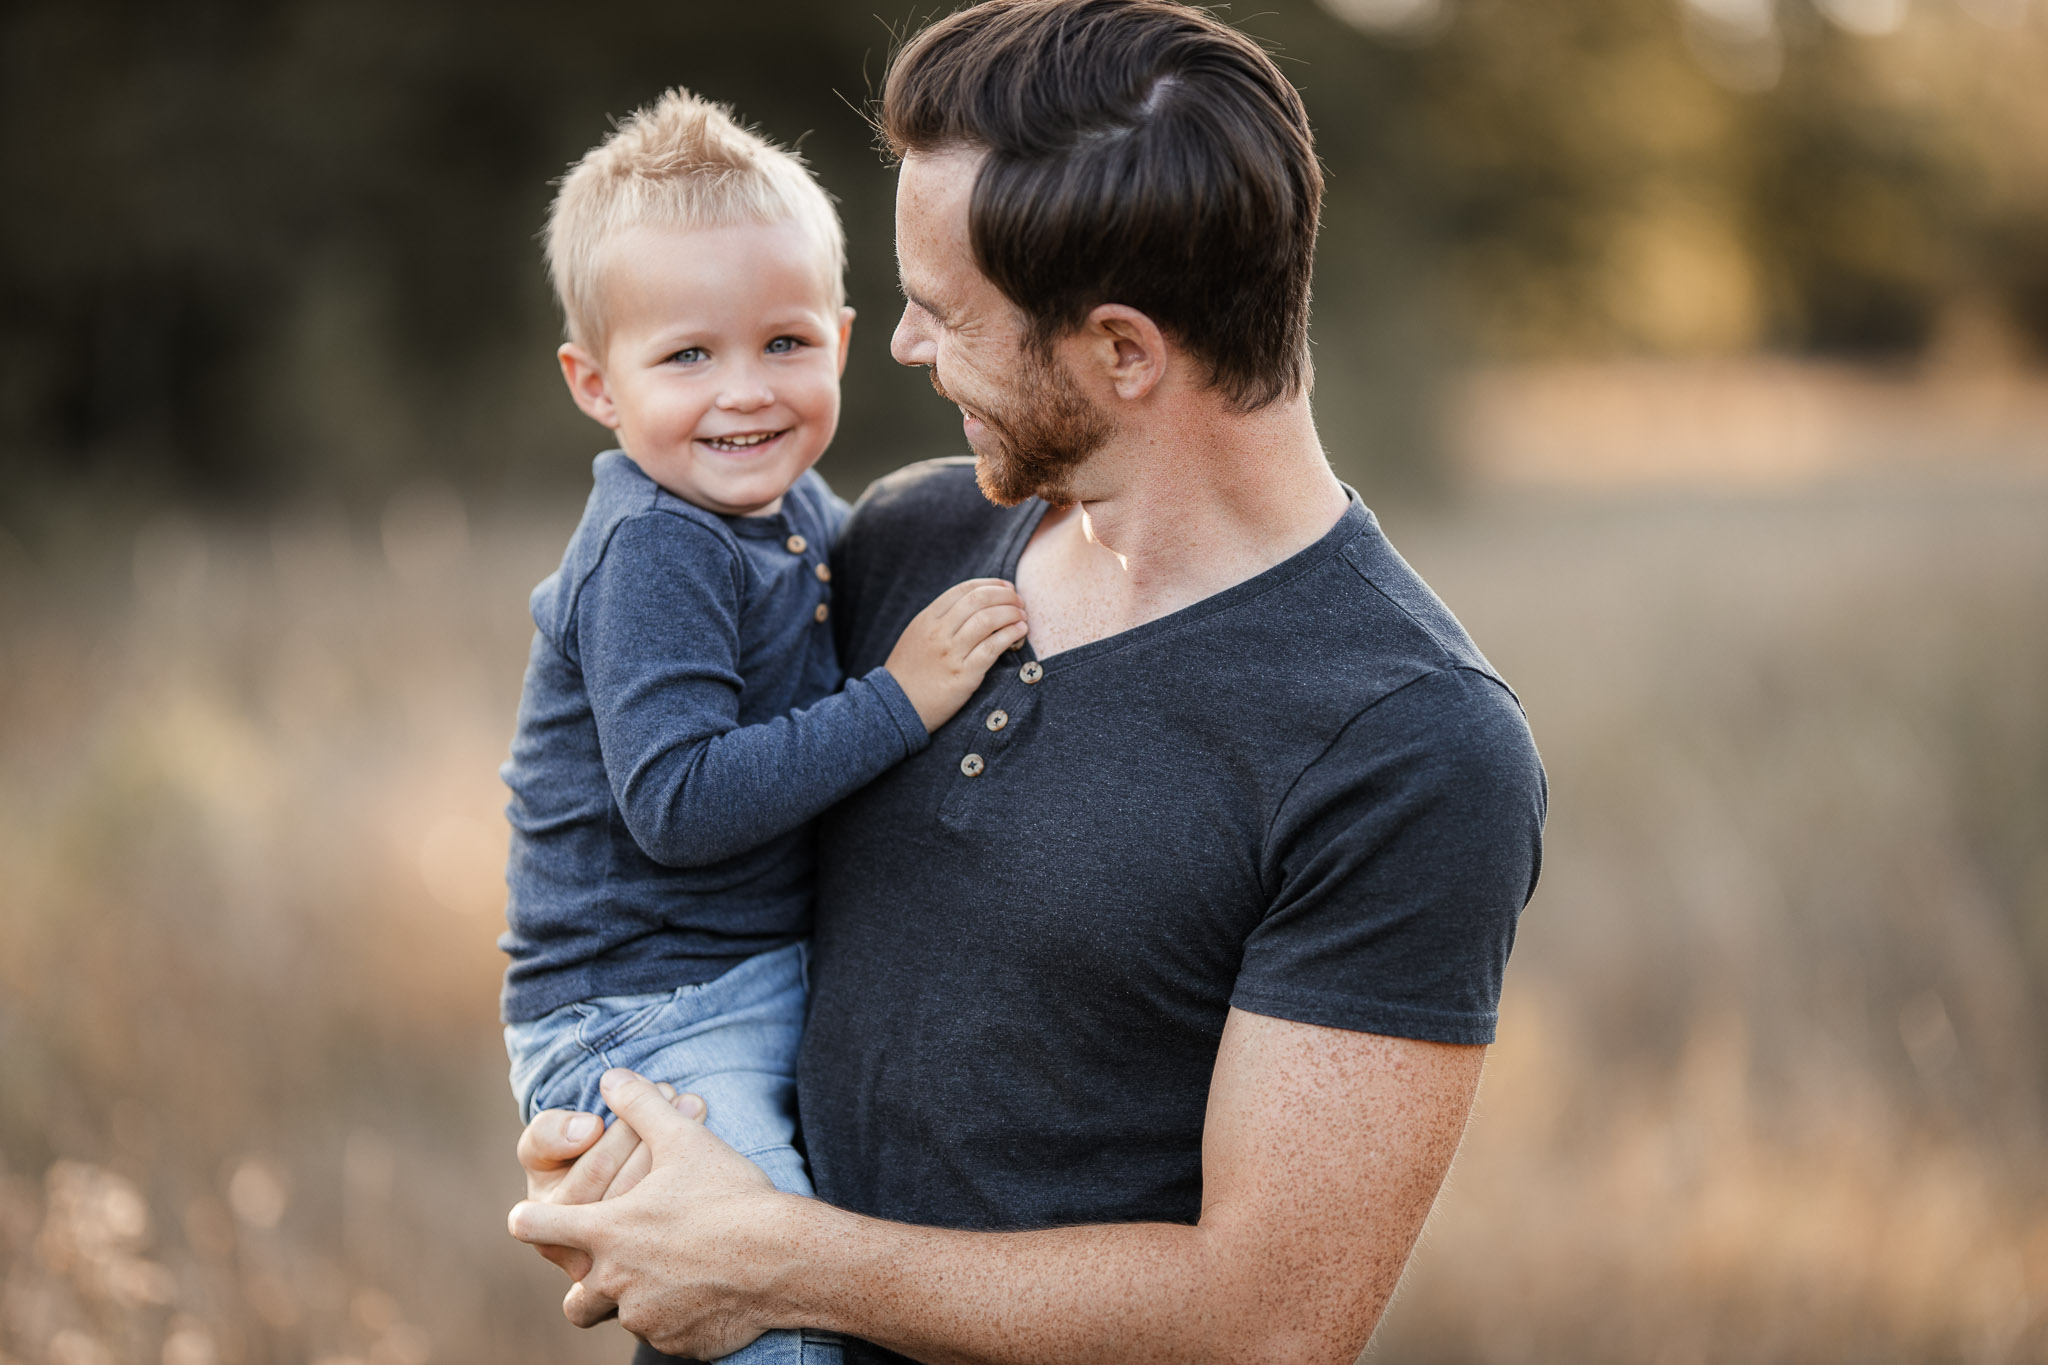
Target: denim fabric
x=732 y=1040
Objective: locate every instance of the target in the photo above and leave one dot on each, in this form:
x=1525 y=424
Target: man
x=1149 y=1002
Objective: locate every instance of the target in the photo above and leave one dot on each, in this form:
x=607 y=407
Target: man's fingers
x=585 y=1307
x=575 y=1264
x=642 y=1161
x=633 y=1172
x=556 y=1225
x=556 y=1137
x=594 y=1172
x=639 y=1104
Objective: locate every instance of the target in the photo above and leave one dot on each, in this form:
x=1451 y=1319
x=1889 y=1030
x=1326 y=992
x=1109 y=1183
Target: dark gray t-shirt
x=1308 y=797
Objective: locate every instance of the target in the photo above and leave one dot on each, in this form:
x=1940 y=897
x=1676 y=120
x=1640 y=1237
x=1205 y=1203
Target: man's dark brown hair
x=1139 y=152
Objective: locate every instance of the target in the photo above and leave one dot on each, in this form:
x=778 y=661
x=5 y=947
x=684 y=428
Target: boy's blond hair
x=681 y=162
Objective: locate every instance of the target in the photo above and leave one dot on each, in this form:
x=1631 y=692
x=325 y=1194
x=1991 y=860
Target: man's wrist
x=802 y=1248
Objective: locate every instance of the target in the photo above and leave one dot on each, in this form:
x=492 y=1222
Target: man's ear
x=845 y=336
x=1128 y=349
x=585 y=378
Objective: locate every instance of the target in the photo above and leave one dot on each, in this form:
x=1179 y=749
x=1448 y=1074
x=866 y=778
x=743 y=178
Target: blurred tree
x=255 y=250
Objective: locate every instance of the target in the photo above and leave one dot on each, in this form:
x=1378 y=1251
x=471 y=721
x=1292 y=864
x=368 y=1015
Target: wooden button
x=822 y=612
x=796 y=545
x=1031 y=672
x=824 y=572
x=998 y=719
x=972 y=765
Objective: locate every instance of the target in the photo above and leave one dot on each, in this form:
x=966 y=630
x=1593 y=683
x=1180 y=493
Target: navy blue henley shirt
x=681 y=727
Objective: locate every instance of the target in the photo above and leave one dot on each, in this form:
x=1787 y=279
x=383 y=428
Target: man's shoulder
x=1347 y=624
x=1400 y=620
x=930 y=514
x=913 y=534
x=939 y=494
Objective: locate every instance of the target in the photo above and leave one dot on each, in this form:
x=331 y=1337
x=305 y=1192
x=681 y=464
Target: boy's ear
x=585 y=378
x=845 y=336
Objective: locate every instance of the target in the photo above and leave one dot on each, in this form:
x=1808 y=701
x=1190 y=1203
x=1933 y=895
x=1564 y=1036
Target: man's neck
x=1175 y=514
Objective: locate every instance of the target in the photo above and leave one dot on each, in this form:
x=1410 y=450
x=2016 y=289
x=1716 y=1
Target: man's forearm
x=1121 y=1293
x=1323 y=1150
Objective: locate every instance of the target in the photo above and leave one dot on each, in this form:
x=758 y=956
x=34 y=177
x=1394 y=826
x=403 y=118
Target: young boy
x=683 y=720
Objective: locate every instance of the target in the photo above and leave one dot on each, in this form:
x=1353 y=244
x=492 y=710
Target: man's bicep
x=1400 y=863
x=1322 y=1153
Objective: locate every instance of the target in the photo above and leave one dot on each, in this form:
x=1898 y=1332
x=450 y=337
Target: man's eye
x=784 y=345
x=689 y=355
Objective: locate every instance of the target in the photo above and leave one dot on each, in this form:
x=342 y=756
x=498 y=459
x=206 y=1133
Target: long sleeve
x=657 y=627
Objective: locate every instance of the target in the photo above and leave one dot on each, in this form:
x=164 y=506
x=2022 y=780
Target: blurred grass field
x=1770 y=1079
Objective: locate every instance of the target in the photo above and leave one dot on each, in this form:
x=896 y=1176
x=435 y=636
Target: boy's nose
x=746 y=397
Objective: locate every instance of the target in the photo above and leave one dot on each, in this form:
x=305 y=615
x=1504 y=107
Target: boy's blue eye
x=689 y=355
x=783 y=345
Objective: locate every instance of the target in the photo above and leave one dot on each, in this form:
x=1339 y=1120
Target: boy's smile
x=721 y=361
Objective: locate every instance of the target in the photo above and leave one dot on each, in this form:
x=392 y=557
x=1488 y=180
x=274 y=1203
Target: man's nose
x=910 y=344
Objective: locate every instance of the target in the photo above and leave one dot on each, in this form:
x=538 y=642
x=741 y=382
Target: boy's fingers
x=975 y=593
x=945 y=600
x=990 y=619
x=984 y=654
x=964 y=611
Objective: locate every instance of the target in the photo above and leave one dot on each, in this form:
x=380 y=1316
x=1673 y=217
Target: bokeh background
x=1691 y=348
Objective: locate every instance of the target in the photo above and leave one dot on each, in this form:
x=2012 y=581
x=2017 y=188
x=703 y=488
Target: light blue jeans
x=732 y=1040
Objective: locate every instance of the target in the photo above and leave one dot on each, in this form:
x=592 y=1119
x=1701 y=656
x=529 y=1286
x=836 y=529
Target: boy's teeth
x=741 y=442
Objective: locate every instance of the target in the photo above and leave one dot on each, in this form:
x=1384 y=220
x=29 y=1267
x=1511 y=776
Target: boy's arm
x=657 y=626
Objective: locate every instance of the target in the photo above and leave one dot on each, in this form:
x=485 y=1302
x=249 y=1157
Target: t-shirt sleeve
x=1401 y=860
x=657 y=632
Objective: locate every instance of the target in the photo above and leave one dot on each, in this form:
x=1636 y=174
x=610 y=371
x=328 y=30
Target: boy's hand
x=949 y=645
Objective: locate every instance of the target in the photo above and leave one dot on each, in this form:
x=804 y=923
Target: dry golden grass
x=1769 y=1079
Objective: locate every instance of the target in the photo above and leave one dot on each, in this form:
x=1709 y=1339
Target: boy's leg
x=734 y=1042
x=553 y=1066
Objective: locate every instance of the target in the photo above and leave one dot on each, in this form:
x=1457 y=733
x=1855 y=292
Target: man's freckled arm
x=1323 y=1152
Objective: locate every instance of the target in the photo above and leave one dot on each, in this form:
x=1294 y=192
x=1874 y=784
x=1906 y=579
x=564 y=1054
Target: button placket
x=995 y=723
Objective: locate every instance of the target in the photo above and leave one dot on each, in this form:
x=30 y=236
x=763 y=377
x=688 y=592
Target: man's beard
x=1042 y=434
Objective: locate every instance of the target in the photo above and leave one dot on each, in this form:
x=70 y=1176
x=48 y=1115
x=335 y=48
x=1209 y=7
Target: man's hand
x=1323 y=1149
x=572 y=1158
x=681 y=1294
